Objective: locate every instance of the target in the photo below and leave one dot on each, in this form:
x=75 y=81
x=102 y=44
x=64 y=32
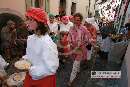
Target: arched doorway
x=73 y=8
x=37 y=3
x=4 y=17
x=62 y=7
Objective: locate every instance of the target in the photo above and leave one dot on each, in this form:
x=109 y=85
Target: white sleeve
x=24 y=57
x=50 y=58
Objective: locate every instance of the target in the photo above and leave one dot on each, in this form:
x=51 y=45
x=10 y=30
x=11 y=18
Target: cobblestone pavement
x=84 y=79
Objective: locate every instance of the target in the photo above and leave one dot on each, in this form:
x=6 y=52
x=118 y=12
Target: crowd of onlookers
x=75 y=38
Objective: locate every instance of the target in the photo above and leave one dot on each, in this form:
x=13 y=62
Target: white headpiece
x=90 y=20
x=93 y=22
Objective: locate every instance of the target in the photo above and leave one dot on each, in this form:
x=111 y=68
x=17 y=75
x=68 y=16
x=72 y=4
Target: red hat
x=37 y=14
x=65 y=18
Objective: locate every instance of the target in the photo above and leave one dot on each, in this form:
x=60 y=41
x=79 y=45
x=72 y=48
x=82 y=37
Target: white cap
x=90 y=20
x=93 y=22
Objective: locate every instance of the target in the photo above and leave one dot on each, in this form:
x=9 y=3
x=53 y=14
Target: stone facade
x=17 y=7
x=50 y=6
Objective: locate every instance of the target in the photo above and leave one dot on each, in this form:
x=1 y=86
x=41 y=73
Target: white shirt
x=53 y=27
x=42 y=53
x=66 y=27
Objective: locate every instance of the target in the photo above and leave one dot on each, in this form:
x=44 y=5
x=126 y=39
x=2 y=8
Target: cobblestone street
x=84 y=77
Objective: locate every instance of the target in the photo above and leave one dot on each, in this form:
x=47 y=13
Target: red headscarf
x=65 y=18
x=37 y=14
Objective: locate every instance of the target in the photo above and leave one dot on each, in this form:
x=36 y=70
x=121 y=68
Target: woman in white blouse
x=41 y=51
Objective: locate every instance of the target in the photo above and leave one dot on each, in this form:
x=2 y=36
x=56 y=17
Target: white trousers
x=75 y=70
x=89 y=53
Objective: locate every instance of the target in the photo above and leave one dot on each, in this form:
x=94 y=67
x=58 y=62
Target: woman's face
x=31 y=24
x=51 y=19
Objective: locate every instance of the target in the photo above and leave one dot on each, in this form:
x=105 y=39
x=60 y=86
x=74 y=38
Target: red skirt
x=49 y=81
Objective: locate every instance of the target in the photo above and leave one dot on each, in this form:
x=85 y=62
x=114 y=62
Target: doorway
x=4 y=17
x=73 y=8
x=62 y=8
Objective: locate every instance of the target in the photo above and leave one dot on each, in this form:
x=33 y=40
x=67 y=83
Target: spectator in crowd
x=127 y=26
x=8 y=37
x=92 y=29
x=22 y=34
x=65 y=26
x=105 y=46
x=41 y=51
x=52 y=24
x=57 y=17
x=78 y=37
x=107 y=29
x=123 y=30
